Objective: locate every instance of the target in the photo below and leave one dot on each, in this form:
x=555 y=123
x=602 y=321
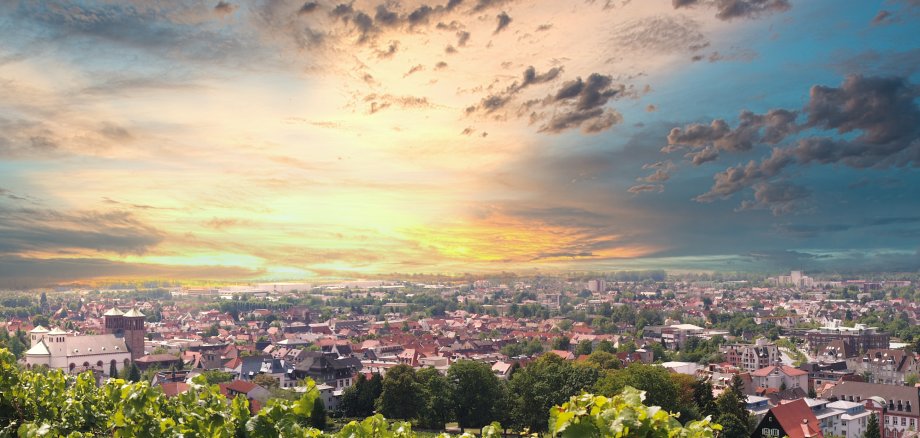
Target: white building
x=780 y=377
x=61 y=350
x=840 y=418
x=796 y=279
x=598 y=285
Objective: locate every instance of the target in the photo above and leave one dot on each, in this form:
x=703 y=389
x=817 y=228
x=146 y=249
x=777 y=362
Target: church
x=122 y=343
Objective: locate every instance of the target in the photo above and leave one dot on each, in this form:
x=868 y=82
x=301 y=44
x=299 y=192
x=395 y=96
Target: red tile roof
x=798 y=420
x=172 y=389
x=241 y=386
x=787 y=370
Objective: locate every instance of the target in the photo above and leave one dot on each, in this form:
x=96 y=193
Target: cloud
x=731 y=9
x=440 y=65
x=876 y=120
x=391 y=50
x=31 y=230
x=661 y=34
x=579 y=103
x=646 y=188
x=708 y=140
x=503 y=21
x=380 y=102
x=223 y=8
x=308 y=8
x=881 y=17
x=529 y=77
x=414 y=69
x=482 y=5
x=462 y=38
x=661 y=174
x=735 y=179
x=780 y=197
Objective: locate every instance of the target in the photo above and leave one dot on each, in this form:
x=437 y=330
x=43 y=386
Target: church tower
x=128 y=325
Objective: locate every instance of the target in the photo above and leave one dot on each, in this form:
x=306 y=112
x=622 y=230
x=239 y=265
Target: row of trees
x=473 y=396
x=53 y=404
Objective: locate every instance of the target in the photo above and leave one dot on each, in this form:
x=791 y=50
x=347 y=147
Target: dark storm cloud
x=503 y=21
x=876 y=121
x=44 y=230
x=731 y=9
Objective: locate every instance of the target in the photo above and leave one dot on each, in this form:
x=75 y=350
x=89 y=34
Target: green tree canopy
x=475 y=391
x=399 y=398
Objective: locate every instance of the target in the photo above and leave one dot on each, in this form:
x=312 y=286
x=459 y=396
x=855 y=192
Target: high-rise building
x=598 y=285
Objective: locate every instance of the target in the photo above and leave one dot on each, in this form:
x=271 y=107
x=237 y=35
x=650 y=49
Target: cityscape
x=460 y=218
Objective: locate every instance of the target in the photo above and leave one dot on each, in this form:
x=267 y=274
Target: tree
x=475 y=391
x=605 y=346
x=400 y=395
x=265 y=381
x=731 y=405
x=872 y=427
x=113 y=370
x=437 y=406
x=604 y=360
x=654 y=380
x=134 y=373
x=546 y=382
x=318 y=415
x=583 y=347
x=358 y=399
x=52 y=403
x=561 y=343
x=703 y=399
x=213 y=377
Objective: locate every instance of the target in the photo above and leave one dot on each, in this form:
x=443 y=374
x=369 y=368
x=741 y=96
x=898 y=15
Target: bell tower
x=129 y=325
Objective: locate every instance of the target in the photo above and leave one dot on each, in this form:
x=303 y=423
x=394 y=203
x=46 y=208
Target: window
x=903 y=421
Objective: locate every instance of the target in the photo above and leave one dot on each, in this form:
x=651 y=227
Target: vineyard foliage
x=53 y=404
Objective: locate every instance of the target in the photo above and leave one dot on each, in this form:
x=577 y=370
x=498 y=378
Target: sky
x=287 y=140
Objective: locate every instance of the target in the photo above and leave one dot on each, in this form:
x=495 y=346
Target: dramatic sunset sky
x=297 y=140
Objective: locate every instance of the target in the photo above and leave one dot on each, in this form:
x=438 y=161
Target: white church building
x=58 y=349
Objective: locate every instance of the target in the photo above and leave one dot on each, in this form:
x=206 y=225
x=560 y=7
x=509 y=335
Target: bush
x=54 y=404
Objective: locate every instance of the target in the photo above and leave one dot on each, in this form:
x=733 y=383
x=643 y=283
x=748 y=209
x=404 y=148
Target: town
x=810 y=356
